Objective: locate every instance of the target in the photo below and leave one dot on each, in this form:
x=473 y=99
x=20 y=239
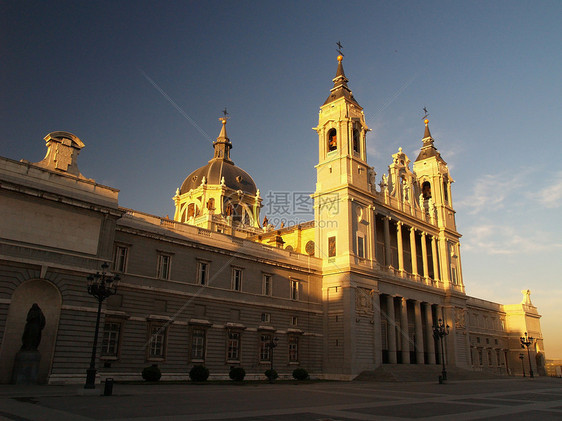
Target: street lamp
x=521 y=357
x=100 y=286
x=440 y=331
x=526 y=341
x=272 y=344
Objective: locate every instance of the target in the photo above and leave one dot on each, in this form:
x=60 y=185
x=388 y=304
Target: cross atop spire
x=340 y=47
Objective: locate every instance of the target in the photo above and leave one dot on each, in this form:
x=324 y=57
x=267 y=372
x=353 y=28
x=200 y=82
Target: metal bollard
x=108 y=389
x=440 y=379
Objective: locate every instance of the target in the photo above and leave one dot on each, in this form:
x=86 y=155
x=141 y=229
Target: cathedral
x=362 y=286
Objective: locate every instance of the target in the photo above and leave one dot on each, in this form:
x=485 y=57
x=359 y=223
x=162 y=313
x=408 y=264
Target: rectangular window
x=293 y=348
x=454 y=275
x=110 y=340
x=157 y=342
x=265 y=348
x=331 y=246
x=233 y=347
x=361 y=246
x=164 y=262
x=202 y=273
x=267 y=285
x=294 y=290
x=479 y=356
x=120 y=259
x=266 y=317
x=294 y=320
x=198 y=343
x=237 y=279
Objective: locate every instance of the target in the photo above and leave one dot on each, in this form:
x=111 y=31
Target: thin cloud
x=491 y=192
x=550 y=196
x=506 y=240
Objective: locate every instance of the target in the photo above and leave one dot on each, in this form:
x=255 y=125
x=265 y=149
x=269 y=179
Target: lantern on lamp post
x=527 y=341
x=100 y=286
x=439 y=332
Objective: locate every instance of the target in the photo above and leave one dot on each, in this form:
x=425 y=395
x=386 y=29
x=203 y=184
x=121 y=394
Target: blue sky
x=488 y=72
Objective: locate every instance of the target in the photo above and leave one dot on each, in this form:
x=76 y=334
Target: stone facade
x=360 y=286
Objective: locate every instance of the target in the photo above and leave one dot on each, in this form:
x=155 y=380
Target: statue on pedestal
x=34 y=324
x=28 y=358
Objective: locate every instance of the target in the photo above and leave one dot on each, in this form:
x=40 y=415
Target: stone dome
x=220 y=167
x=234 y=177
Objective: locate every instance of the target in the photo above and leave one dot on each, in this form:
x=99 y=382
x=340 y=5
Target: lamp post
x=272 y=345
x=527 y=341
x=521 y=357
x=440 y=331
x=100 y=286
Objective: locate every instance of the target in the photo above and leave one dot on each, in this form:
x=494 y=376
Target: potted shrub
x=237 y=374
x=300 y=374
x=271 y=375
x=199 y=373
x=151 y=373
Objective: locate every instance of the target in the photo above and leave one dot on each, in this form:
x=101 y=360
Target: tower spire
x=340 y=89
x=428 y=149
x=222 y=145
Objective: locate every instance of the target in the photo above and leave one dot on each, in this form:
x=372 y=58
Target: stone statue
x=526 y=297
x=35 y=323
x=372 y=179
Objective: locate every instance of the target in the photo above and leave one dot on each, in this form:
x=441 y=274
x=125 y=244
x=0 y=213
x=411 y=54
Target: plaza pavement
x=502 y=399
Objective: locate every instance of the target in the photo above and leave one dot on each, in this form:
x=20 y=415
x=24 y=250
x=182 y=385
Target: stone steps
x=421 y=373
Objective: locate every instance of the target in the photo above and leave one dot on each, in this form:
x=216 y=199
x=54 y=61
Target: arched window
x=356 y=140
x=426 y=190
x=332 y=140
x=190 y=210
x=446 y=191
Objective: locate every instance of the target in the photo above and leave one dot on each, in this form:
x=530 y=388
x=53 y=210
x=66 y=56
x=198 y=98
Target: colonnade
x=409 y=330
x=429 y=255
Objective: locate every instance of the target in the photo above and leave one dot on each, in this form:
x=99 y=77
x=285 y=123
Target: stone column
x=435 y=260
x=388 y=260
x=377 y=346
x=400 y=246
x=419 y=333
x=391 y=329
x=413 y=251
x=439 y=315
x=429 y=334
x=372 y=233
x=424 y=257
x=404 y=331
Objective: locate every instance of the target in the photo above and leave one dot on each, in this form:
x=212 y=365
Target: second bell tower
x=343 y=183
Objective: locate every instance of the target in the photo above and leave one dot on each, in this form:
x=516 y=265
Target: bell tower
x=343 y=187
x=341 y=135
x=435 y=183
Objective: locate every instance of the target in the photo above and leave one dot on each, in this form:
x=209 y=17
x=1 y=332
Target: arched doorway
x=49 y=299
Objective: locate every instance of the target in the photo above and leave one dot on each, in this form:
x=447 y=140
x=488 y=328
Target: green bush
x=271 y=374
x=300 y=374
x=151 y=373
x=199 y=373
x=237 y=374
